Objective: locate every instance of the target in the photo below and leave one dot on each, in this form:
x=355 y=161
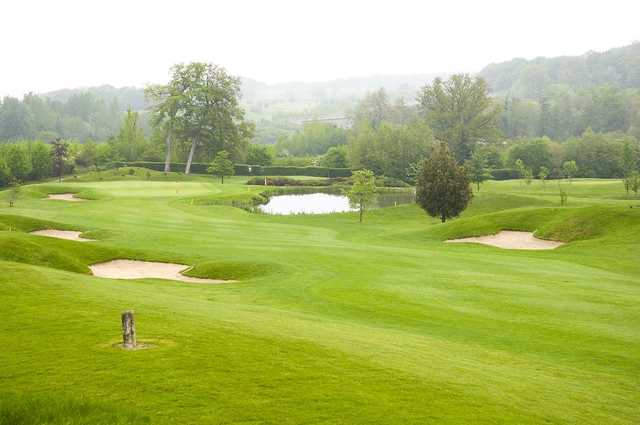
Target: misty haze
x=303 y=212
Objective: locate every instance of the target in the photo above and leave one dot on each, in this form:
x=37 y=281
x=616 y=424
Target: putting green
x=329 y=321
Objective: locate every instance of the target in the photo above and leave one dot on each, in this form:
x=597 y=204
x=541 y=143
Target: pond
x=325 y=203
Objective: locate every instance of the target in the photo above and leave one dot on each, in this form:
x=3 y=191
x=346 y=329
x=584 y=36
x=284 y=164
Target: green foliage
x=389 y=149
x=529 y=78
x=376 y=108
x=505 y=174
x=597 y=155
x=520 y=167
x=477 y=169
x=17 y=158
x=460 y=112
x=41 y=163
x=14 y=192
x=221 y=165
x=527 y=176
x=201 y=107
x=443 y=188
x=535 y=153
x=315 y=138
x=88 y=155
x=130 y=143
x=569 y=169
x=543 y=174
x=336 y=157
x=5 y=173
x=59 y=152
x=260 y=155
x=363 y=190
x=80 y=115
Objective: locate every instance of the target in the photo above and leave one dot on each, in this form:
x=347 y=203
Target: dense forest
x=562 y=97
x=537 y=114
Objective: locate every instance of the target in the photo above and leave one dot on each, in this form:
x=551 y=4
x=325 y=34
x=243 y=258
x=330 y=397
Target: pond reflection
x=325 y=203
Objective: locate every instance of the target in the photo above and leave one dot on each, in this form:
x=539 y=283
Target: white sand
x=508 y=239
x=132 y=269
x=62 y=234
x=69 y=197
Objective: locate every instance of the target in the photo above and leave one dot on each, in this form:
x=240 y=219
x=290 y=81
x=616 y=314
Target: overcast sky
x=47 y=45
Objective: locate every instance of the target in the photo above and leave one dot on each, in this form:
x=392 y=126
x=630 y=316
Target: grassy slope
x=332 y=321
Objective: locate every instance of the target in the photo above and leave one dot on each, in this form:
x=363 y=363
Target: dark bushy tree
x=60 y=152
x=443 y=188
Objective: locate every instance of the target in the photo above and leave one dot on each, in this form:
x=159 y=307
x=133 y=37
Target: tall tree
x=374 y=108
x=201 y=103
x=130 y=143
x=165 y=99
x=460 y=112
x=363 y=190
x=443 y=188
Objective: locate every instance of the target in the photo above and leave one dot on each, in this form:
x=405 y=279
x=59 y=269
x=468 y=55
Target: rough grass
x=331 y=321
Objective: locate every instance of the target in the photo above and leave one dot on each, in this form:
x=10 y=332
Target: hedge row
x=505 y=174
x=246 y=170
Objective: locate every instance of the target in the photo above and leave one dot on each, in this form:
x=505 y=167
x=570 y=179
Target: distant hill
x=254 y=91
x=124 y=96
x=619 y=67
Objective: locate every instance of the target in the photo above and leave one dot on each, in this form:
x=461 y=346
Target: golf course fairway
x=324 y=320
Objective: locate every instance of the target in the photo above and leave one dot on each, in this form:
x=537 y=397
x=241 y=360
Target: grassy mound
x=49 y=252
x=232 y=270
x=561 y=224
x=28 y=224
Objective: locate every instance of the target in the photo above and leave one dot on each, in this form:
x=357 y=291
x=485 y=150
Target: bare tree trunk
x=167 y=159
x=187 y=170
x=128 y=330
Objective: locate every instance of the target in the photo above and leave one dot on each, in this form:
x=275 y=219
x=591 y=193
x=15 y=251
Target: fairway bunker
x=134 y=269
x=69 y=197
x=508 y=239
x=70 y=235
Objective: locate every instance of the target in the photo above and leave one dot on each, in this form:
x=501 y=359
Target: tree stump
x=128 y=330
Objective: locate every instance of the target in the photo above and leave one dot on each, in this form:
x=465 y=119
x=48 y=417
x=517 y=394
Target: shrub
x=505 y=174
x=285 y=181
x=245 y=169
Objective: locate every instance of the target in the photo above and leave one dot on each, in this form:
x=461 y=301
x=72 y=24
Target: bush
x=245 y=169
x=285 y=181
x=307 y=171
x=383 y=181
x=505 y=174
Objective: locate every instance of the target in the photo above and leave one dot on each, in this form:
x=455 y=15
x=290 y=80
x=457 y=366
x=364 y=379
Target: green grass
x=329 y=321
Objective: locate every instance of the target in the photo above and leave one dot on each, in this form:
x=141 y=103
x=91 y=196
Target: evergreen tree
x=443 y=187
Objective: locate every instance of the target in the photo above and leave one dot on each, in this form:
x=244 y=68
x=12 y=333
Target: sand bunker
x=508 y=239
x=69 y=197
x=132 y=269
x=62 y=234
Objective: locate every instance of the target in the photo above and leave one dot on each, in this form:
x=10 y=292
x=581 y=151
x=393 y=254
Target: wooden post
x=128 y=330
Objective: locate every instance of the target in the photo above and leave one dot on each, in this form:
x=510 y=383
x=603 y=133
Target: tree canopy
x=443 y=187
x=460 y=112
x=201 y=106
